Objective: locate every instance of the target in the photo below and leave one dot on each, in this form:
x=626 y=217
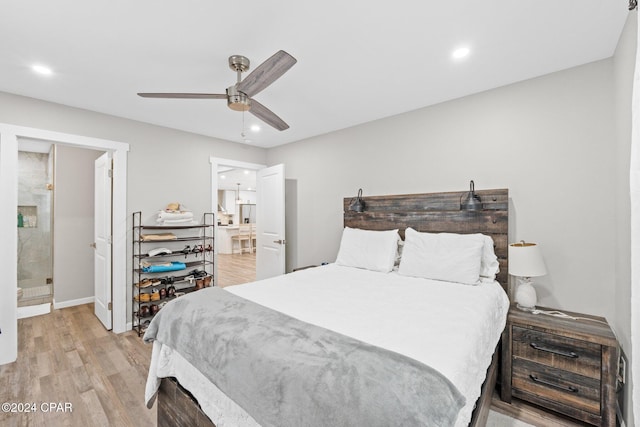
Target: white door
x=270 y=238
x=102 y=239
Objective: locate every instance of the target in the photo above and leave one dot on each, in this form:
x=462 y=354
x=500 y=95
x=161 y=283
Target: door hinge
x=109 y=306
x=109 y=240
x=110 y=173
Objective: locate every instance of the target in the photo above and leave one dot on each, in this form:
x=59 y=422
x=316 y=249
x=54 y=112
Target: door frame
x=9 y=135
x=216 y=162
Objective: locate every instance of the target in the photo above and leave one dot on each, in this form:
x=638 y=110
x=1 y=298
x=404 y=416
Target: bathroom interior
x=34 y=222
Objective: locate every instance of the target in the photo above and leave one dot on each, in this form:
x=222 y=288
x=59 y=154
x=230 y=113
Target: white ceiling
x=358 y=60
x=228 y=179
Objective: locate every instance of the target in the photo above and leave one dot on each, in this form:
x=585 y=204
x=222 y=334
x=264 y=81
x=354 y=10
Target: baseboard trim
x=72 y=303
x=34 y=310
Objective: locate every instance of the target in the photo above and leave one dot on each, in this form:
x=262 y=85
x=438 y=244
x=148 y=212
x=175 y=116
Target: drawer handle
x=550 y=384
x=555 y=351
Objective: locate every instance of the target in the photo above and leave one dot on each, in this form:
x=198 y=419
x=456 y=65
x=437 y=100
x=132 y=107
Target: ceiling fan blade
x=267 y=116
x=266 y=73
x=184 y=95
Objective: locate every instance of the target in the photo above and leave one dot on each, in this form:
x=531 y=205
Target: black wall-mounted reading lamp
x=357 y=205
x=472 y=202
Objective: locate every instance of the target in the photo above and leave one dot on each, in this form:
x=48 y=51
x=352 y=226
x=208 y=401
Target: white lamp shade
x=525 y=260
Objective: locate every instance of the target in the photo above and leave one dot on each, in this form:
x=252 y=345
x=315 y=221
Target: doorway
x=235 y=200
x=55 y=226
x=9 y=135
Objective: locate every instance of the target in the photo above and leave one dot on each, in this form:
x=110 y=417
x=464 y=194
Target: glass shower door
x=35 y=266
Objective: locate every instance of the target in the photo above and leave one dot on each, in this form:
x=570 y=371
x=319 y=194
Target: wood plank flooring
x=68 y=357
x=236 y=269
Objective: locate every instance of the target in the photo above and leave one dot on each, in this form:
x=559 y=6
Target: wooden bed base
x=177 y=407
x=432 y=212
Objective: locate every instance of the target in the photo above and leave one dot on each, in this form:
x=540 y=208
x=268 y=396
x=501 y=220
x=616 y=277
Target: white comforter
x=451 y=327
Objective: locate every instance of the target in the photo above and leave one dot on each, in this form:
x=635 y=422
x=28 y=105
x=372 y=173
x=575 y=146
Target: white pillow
x=368 y=249
x=442 y=256
x=490 y=265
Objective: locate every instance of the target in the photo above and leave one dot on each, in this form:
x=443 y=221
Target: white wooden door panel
x=102 y=240
x=270 y=222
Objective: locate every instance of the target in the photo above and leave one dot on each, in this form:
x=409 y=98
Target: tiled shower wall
x=34 y=238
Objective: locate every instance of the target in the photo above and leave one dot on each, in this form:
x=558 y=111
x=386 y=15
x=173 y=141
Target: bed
x=417 y=331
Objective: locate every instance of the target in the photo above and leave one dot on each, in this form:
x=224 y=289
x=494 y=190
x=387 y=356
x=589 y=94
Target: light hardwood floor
x=68 y=357
x=236 y=269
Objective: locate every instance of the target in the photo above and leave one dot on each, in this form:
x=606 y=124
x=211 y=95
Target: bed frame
x=431 y=212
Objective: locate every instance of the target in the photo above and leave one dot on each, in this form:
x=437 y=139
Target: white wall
x=8 y=248
x=548 y=140
x=73 y=224
x=624 y=64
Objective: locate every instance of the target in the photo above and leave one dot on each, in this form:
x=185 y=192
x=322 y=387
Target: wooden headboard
x=439 y=213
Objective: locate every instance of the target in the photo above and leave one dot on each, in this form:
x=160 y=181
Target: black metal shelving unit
x=198 y=263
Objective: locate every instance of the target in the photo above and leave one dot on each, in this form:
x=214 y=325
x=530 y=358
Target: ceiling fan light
x=237 y=100
x=238 y=105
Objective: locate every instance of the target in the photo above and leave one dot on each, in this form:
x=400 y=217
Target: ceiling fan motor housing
x=236 y=100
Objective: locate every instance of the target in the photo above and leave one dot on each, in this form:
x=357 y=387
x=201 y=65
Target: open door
x=102 y=239
x=270 y=222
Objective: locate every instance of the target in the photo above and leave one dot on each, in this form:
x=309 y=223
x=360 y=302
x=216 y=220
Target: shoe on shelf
x=155 y=295
x=142 y=297
x=144 y=283
x=167 y=280
x=198 y=273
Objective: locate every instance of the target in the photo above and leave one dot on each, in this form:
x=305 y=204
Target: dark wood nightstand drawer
x=564 y=388
x=566 y=365
x=556 y=351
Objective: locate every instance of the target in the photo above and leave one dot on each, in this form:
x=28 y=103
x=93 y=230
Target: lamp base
x=526 y=297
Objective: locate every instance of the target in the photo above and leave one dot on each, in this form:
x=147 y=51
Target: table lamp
x=525 y=261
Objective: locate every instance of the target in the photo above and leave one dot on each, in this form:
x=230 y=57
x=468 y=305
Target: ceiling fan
x=240 y=95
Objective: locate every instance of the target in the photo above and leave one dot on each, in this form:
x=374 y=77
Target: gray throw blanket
x=285 y=372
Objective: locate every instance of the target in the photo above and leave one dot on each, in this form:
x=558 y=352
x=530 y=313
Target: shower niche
x=27 y=216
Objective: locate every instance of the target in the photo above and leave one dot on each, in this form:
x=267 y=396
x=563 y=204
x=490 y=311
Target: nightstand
x=563 y=365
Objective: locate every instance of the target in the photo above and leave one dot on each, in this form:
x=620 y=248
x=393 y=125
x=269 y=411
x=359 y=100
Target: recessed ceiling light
x=461 y=52
x=246 y=172
x=255 y=128
x=41 y=69
x=223 y=177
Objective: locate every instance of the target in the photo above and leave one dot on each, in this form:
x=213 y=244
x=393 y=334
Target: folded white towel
x=175 y=215
x=176 y=222
x=159 y=251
